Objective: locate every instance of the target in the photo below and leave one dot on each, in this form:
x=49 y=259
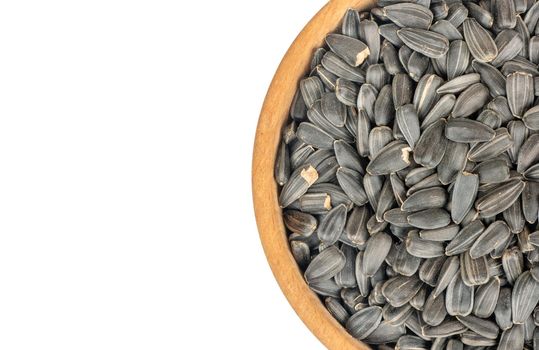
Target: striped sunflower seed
x=485 y=328
x=525 y=297
x=402 y=89
x=364 y=322
x=520 y=92
x=457 y=14
x=325 y=265
x=449 y=269
x=499 y=198
x=403 y=262
x=470 y=100
x=434 y=311
x=446 y=233
x=459 y=83
x=463 y=195
x=396 y=315
x=356 y=225
x=512 y=339
x=385 y=333
x=509 y=44
x=409 y=15
x=429 y=219
x=332 y=225
x=393 y=157
x=492 y=77
x=336 y=309
x=465 y=239
x=487 y=150
x=447 y=328
x=468 y=131
x=368 y=33
x=376 y=250
x=486 y=298
x=431 y=146
x=492 y=171
x=494 y=235
x=408 y=122
x=410 y=342
x=440 y=110
x=513 y=264
x=298 y=222
x=430 y=268
x=458 y=58
x=298 y=184
x=351 y=50
x=400 y=289
x=459 y=297
x=528 y=154
x=504 y=13
x=417 y=65
x=447 y=29
x=429 y=198
x=474 y=271
x=481 y=45
x=430 y=44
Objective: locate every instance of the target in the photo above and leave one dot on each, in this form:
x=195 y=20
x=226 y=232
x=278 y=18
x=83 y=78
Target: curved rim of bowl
x=268 y=214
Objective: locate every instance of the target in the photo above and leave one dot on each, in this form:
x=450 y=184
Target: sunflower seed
x=368 y=33
x=524 y=298
x=428 y=272
x=465 y=238
x=347 y=157
x=396 y=217
x=481 y=15
x=454 y=344
x=430 y=44
x=530 y=201
x=386 y=200
x=298 y=184
x=362 y=279
x=522 y=30
x=490 y=118
x=356 y=225
x=531 y=118
x=494 y=235
x=514 y=218
x=440 y=110
x=392 y=158
x=350 y=181
x=468 y=131
x=459 y=297
x=389 y=32
x=384 y=111
x=366 y=99
x=299 y=222
x=529 y=153
x=532 y=16
x=336 y=310
x=410 y=342
x=513 y=264
x=408 y=15
x=458 y=84
x=439 y=10
x=509 y=44
x=512 y=339
x=350 y=23
x=473 y=271
x=408 y=122
x=377 y=248
x=492 y=171
x=520 y=92
x=325 y=265
x=340 y=68
x=447 y=328
x=470 y=100
x=499 y=198
x=416 y=175
x=434 y=311
x=326 y=288
x=485 y=328
x=429 y=181
x=447 y=29
x=431 y=146
x=351 y=50
x=486 y=297
x=400 y=289
x=402 y=90
x=493 y=79
x=333 y=109
x=429 y=219
x=463 y=195
x=474 y=340
x=425 y=95
x=429 y=198
x=377 y=76
x=487 y=150
x=364 y=322
x=480 y=43
x=457 y=14
x=458 y=57
x=332 y=225
x=373 y=187
x=385 y=333
x=418 y=301
x=504 y=13
x=390 y=57
x=346 y=277
x=417 y=65
x=346 y=92
x=396 y=315
x=520 y=65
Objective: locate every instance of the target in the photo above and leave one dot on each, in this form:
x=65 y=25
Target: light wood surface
x=274 y=113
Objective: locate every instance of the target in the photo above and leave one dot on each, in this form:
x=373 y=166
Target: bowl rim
x=274 y=113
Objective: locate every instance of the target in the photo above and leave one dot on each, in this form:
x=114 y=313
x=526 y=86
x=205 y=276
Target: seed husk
x=368 y=33
x=393 y=157
x=520 y=92
x=376 y=250
x=325 y=265
x=297 y=185
x=468 y=131
x=512 y=339
x=494 y=235
x=364 y=322
x=499 y=198
x=513 y=264
x=434 y=311
x=298 y=222
x=463 y=195
x=525 y=297
x=481 y=45
x=340 y=68
x=487 y=150
x=409 y=15
x=470 y=100
x=351 y=50
x=446 y=329
x=425 y=94
x=400 y=289
x=486 y=297
x=428 y=272
x=474 y=271
x=430 y=44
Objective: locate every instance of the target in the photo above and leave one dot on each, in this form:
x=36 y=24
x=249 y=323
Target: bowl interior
x=269 y=219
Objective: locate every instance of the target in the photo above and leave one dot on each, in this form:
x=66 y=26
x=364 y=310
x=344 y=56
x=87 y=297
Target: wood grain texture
x=268 y=214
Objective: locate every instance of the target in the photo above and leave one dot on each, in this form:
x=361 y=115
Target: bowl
x=275 y=111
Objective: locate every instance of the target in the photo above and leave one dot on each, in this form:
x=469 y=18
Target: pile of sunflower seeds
x=409 y=174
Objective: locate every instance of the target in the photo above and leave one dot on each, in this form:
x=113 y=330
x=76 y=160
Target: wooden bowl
x=293 y=67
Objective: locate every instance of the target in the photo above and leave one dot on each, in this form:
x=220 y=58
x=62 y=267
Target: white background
x=126 y=135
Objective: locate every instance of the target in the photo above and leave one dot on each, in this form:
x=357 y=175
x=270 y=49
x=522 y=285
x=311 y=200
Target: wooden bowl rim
x=265 y=196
